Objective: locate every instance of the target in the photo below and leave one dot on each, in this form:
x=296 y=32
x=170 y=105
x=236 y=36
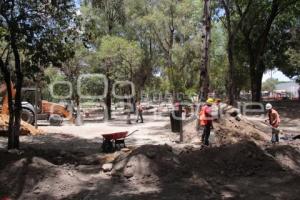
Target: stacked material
x=26 y=129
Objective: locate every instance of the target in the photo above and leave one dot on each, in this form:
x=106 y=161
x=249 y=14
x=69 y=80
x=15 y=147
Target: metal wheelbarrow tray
x=114 y=141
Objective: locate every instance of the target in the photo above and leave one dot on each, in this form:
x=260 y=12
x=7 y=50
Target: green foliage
x=270 y=84
x=33 y=32
x=259 y=33
x=92 y=86
x=120 y=56
x=219 y=62
x=175 y=37
x=44 y=32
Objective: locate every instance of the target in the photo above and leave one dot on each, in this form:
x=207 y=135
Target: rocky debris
x=128 y=174
x=107 y=167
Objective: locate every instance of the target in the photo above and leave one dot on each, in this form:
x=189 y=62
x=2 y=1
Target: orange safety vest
x=202 y=117
x=274 y=118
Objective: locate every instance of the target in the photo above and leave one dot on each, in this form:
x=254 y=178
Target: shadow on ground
x=58 y=166
x=239 y=171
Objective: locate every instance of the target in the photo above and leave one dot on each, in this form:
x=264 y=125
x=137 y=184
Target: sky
x=77 y=2
x=276 y=74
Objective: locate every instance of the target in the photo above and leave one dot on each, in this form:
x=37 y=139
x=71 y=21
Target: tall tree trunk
x=256 y=72
x=109 y=81
x=79 y=119
x=230 y=77
x=108 y=98
x=204 y=76
x=256 y=50
x=18 y=97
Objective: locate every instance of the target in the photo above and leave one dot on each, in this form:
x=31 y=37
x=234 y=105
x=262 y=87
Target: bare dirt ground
x=67 y=162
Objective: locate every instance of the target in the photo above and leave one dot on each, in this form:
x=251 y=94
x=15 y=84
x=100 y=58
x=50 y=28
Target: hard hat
x=210 y=101
x=268 y=106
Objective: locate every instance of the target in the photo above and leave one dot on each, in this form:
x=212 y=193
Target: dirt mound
x=147 y=162
x=152 y=162
x=244 y=158
x=230 y=128
x=34 y=175
x=26 y=129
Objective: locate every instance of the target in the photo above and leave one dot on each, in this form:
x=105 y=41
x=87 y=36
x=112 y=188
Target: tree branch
x=283 y=7
x=262 y=39
x=160 y=41
x=5 y=49
x=242 y=14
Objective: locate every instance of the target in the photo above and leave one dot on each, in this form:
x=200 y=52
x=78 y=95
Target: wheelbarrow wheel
x=107 y=146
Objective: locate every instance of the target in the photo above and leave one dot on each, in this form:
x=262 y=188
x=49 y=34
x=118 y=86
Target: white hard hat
x=268 y=106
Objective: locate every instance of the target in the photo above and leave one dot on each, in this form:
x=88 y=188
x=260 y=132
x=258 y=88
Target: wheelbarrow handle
x=132 y=133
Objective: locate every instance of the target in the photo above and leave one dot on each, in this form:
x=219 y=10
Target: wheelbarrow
x=115 y=141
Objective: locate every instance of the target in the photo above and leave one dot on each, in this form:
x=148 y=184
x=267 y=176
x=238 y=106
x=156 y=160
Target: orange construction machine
x=45 y=110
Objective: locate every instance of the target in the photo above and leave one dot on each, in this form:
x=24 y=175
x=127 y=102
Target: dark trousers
x=206 y=134
x=275 y=135
x=140 y=116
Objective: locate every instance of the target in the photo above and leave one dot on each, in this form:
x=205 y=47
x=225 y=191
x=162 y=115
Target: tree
x=112 y=11
x=270 y=84
x=120 y=58
x=290 y=53
x=256 y=38
x=137 y=30
x=218 y=60
x=174 y=27
x=149 y=23
x=204 y=75
x=257 y=31
x=232 y=24
x=113 y=14
x=36 y=32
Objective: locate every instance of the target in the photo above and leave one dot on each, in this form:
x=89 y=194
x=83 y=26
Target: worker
x=139 y=112
x=205 y=119
x=274 y=120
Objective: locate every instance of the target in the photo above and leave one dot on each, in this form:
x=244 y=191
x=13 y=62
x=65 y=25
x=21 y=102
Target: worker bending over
x=274 y=120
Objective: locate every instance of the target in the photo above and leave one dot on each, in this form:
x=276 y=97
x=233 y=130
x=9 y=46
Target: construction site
x=147 y=99
x=67 y=162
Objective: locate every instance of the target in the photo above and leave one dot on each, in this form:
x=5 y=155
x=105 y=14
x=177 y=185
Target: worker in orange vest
x=274 y=120
x=205 y=120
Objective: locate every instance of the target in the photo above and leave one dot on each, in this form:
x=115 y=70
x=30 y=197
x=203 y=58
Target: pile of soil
x=229 y=129
x=162 y=162
x=26 y=129
x=241 y=159
x=146 y=162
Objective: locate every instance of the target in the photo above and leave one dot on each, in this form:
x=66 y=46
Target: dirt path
x=149 y=132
